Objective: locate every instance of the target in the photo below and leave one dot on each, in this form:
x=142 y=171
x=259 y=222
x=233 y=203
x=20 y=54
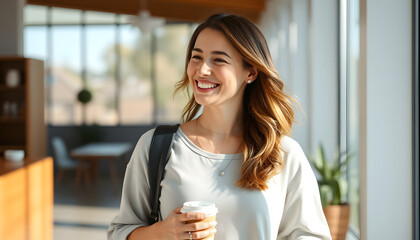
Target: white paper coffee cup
x=207 y=208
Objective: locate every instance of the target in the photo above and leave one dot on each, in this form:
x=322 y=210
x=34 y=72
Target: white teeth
x=206 y=85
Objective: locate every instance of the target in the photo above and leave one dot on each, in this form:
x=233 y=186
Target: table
x=94 y=152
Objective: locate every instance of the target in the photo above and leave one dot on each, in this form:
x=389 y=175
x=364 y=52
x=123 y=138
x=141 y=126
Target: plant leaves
x=337 y=172
x=332 y=185
x=326 y=171
x=336 y=192
x=318 y=169
x=343 y=188
x=325 y=192
x=317 y=164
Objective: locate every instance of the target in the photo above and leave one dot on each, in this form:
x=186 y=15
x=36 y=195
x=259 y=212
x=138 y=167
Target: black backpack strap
x=159 y=154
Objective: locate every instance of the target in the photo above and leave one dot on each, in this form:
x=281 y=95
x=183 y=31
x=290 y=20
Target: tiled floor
x=84 y=213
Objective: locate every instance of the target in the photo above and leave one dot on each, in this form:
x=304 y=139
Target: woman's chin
x=203 y=101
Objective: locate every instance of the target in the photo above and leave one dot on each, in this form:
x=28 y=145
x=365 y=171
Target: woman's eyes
x=218 y=60
x=196 y=57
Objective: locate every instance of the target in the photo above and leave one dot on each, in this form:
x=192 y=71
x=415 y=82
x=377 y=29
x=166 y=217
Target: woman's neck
x=220 y=122
x=216 y=131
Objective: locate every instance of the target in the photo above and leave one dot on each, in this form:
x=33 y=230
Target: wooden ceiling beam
x=246 y=5
x=183 y=12
x=113 y=6
x=179 y=10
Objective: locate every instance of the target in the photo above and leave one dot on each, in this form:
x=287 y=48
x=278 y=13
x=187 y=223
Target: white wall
x=324 y=75
x=302 y=35
x=385 y=120
x=300 y=81
x=11 y=27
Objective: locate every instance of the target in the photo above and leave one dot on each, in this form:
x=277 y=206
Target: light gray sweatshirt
x=289 y=209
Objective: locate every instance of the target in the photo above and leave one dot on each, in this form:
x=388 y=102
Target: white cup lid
x=207 y=208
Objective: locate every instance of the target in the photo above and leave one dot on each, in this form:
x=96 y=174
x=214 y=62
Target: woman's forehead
x=211 y=41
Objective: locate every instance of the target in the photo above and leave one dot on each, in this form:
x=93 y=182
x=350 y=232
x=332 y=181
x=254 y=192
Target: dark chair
x=66 y=163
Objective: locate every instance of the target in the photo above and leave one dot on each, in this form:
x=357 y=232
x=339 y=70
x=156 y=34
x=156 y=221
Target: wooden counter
x=26 y=199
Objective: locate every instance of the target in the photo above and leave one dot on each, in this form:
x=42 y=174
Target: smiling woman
x=237 y=154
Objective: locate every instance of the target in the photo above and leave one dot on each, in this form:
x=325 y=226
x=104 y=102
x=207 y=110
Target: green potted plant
x=84 y=96
x=333 y=187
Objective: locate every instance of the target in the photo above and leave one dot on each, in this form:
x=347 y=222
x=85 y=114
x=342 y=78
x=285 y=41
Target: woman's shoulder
x=297 y=166
x=293 y=153
x=141 y=150
x=289 y=145
x=145 y=139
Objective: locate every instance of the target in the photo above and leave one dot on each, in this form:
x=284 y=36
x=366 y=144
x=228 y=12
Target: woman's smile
x=205 y=85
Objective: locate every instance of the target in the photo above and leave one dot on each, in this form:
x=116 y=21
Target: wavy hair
x=267 y=109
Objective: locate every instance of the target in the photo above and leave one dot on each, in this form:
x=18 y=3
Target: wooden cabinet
x=22 y=124
x=26 y=199
x=13 y=205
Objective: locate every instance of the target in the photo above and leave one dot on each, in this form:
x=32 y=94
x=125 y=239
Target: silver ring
x=189 y=233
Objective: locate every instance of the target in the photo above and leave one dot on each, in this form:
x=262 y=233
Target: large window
x=100 y=78
x=135 y=70
x=130 y=75
x=169 y=61
x=64 y=74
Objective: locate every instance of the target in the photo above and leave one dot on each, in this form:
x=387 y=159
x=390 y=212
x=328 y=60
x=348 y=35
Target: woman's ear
x=253 y=73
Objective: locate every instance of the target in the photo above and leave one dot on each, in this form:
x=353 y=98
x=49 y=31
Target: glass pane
x=66 y=16
x=353 y=123
x=35 y=42
x=172 y=43
x=136 y=101
x=100 y=46
x=33 y=14
x=100 y=18
x=66 y=80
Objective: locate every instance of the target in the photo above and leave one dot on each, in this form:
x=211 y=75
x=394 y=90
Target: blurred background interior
x=81 y=80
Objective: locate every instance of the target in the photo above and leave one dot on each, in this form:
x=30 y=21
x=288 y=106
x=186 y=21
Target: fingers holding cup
x=203 y=228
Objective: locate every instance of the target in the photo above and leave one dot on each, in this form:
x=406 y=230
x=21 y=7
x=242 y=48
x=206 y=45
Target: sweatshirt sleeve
x=303 y=218
x=135 y=207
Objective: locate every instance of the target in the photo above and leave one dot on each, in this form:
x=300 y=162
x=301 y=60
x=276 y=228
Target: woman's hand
x=177 y=226
x=185 y=226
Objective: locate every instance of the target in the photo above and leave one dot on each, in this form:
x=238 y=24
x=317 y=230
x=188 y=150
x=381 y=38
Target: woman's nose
x=204 y=68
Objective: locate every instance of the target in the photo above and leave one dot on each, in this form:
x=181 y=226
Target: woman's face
x=215 y=71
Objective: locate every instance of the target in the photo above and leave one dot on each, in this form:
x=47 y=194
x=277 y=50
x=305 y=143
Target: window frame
x=118 y=22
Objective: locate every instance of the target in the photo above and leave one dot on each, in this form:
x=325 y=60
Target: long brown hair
x=268 y=110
